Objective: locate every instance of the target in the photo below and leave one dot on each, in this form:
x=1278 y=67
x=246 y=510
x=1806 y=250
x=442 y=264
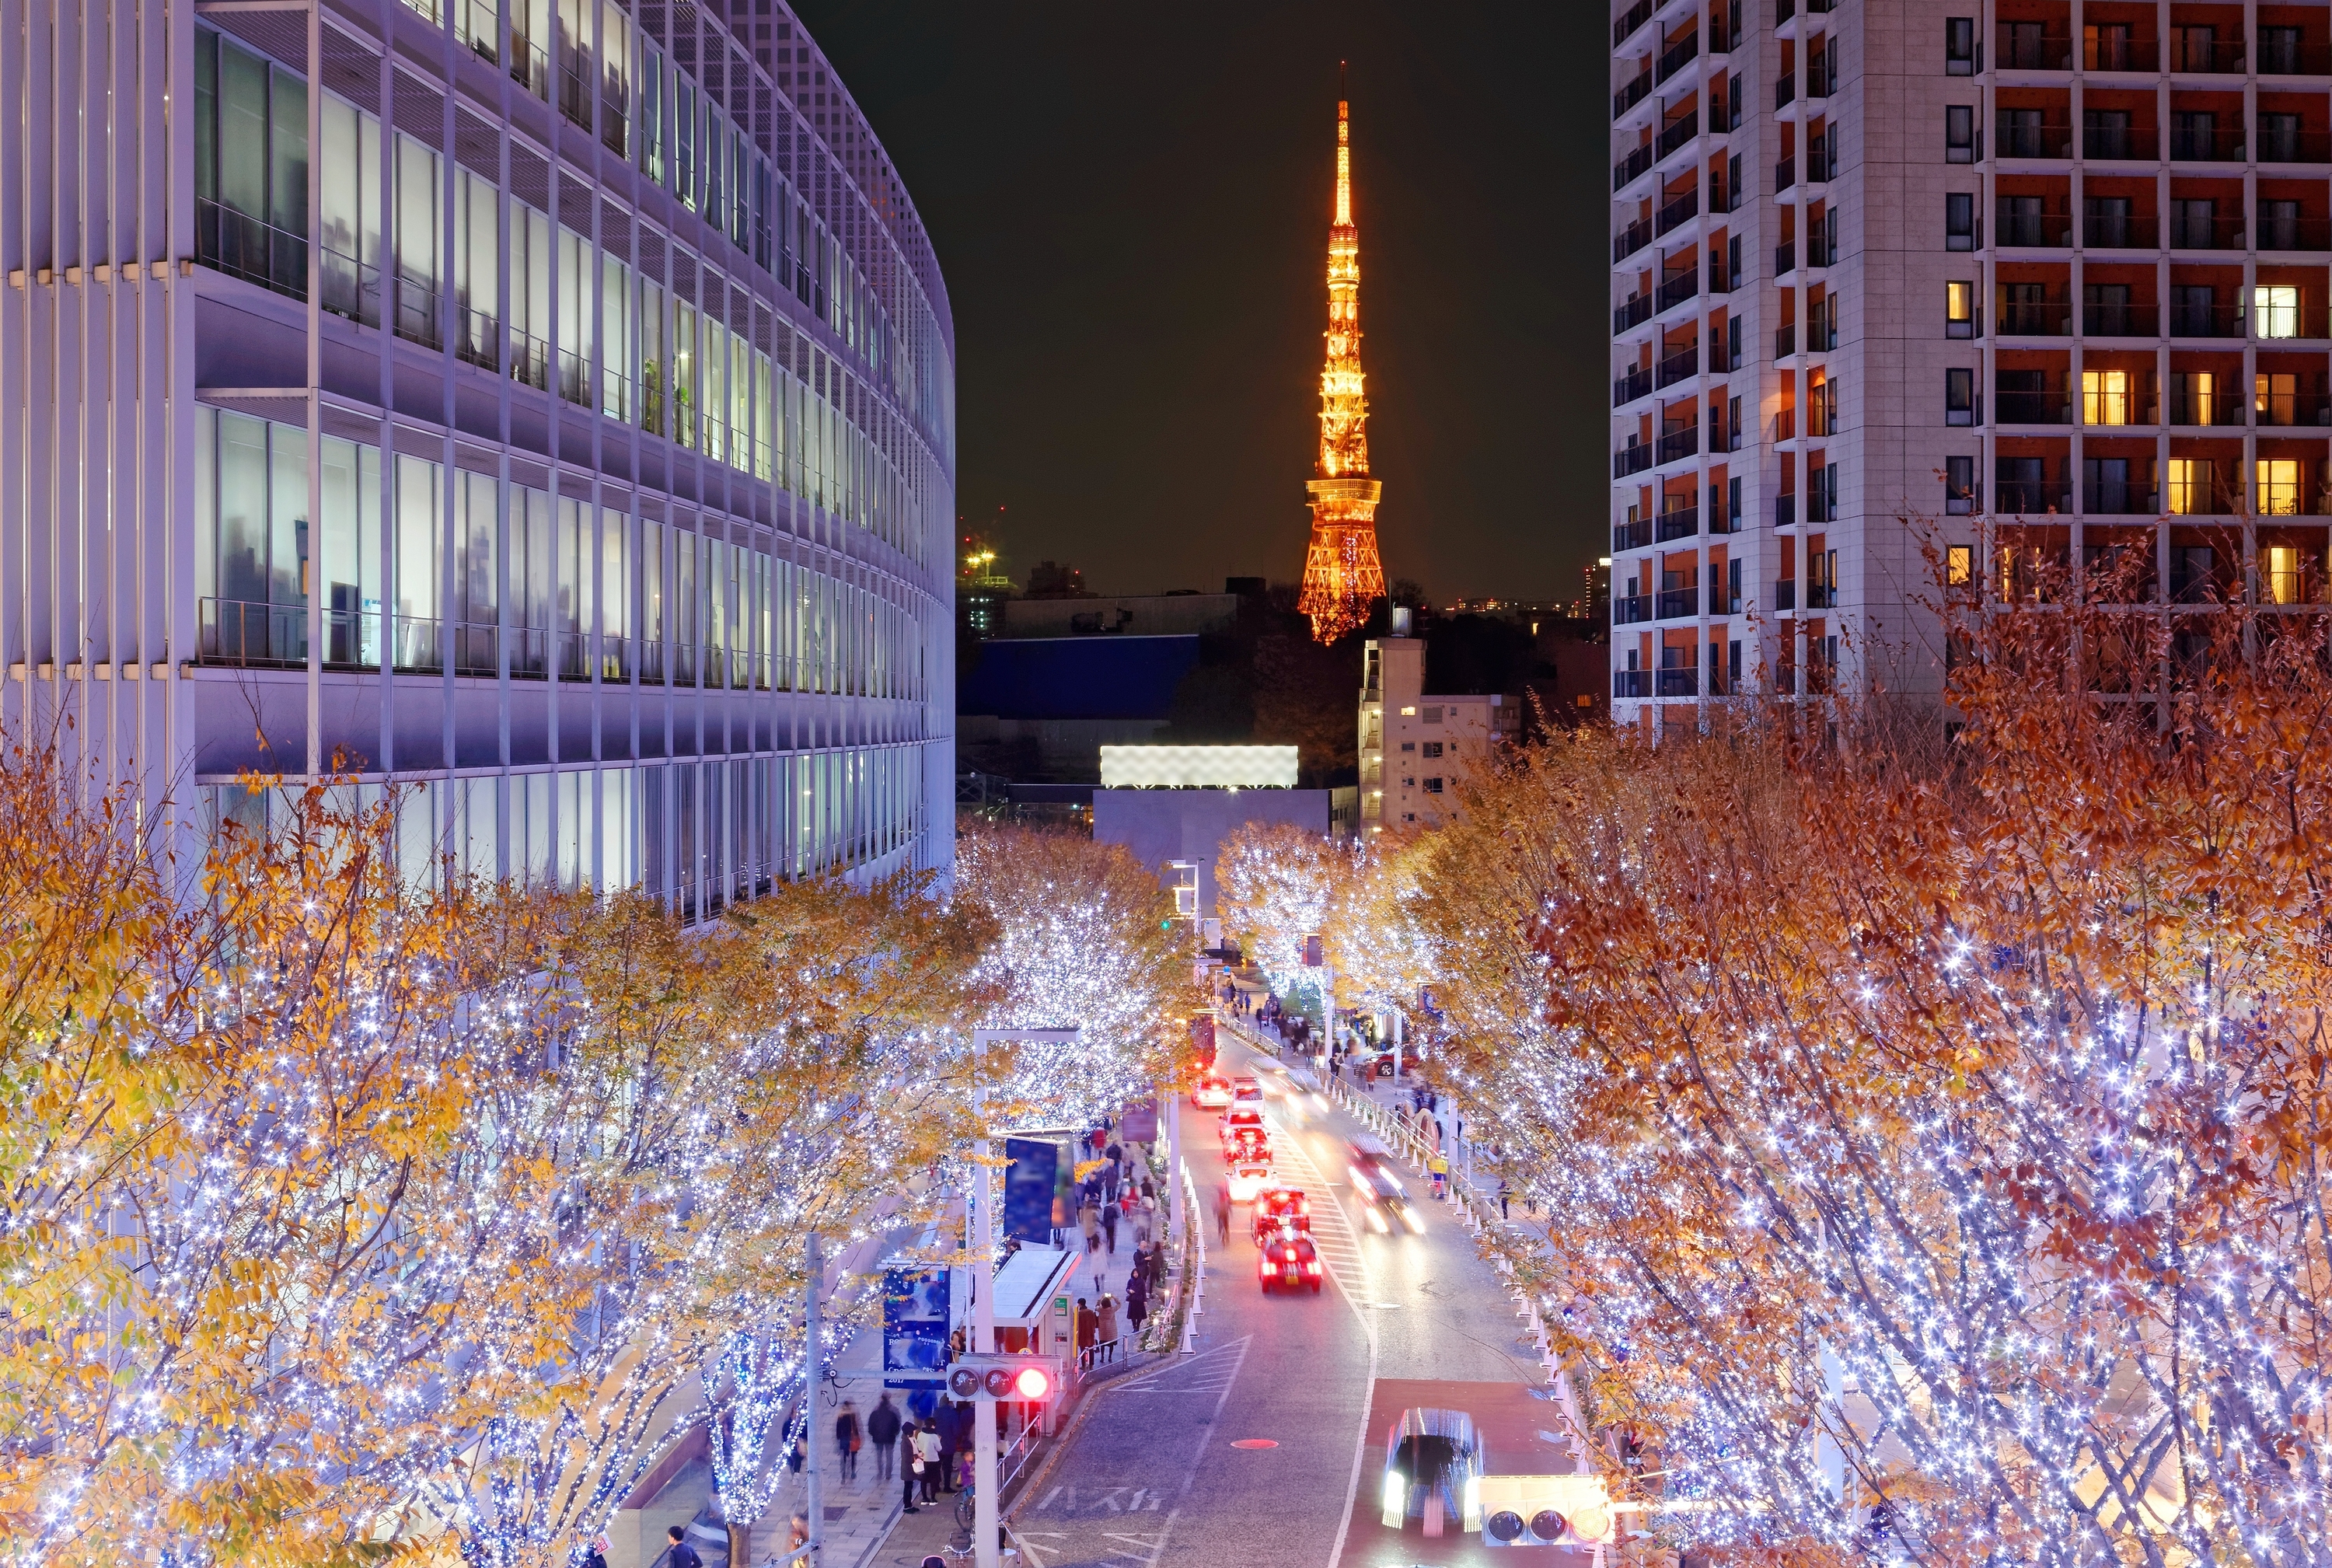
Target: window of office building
x=2275 y=310
x=2105 y=397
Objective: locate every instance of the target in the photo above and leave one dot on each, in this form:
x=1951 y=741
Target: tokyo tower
x=1342 y=575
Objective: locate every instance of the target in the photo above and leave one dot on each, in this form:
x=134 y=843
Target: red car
x=1278 y=1208
x=1288 y=1260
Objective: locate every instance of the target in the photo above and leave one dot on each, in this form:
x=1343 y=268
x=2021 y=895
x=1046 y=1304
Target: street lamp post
x=814 y=1479
x=985 y=1551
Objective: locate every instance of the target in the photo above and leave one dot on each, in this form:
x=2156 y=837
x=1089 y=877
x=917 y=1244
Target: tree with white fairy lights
x=1931 y=1133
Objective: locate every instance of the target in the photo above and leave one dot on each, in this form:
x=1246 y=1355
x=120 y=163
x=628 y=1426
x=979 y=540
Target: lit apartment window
x=1959 y=565
x=2189 y=491
x=2279 y=487
x=2275 y=310
x=2275 y=397
x=1959 y=487
x=1959 y=310
x=1433 y=786
x=2105 y=397
x=2279 y=574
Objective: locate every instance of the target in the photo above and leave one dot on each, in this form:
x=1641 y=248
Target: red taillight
x=1311 y=1269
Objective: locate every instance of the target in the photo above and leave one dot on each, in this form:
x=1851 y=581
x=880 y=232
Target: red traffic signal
x=1001 y=1376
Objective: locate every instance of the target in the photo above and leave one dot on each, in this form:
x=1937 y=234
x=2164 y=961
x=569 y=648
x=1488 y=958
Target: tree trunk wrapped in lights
x=1931 y=1131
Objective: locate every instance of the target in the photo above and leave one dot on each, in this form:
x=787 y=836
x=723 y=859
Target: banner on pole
x=915 y=1322
x=1031 y=1171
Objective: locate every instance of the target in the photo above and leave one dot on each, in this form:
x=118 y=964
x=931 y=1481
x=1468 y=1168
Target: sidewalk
x=865 y=1524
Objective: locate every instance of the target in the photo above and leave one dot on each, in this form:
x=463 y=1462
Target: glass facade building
x=546 y=405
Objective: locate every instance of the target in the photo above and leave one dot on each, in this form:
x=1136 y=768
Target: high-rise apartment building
x=547 y=407
x=2032 y=282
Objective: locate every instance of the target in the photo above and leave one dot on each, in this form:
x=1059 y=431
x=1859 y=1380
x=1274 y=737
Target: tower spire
x=1341 y=574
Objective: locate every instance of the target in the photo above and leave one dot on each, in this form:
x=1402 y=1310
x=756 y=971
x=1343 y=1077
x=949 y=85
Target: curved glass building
x=545 y=404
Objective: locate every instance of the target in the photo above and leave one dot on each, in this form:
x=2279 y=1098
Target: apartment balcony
x=2193 y=232
x=1630 y=682
x=2192 y=56
x=1634 y=313
x=1630 y=240
x=1674 y=134
x=2130 y=498
x=1626 y=171
x=1785 y=340
x=2205 y=141
x=1678 y=522
x=2282 y=410
x=2026 y=407
x=2028 y=134
x=2030 y=498
x=2189 y=320
x=2121 y=144
x=1821 y=596
x=1675 y=214
x=1675 y=290
x=1679 y=604
x=1785 y=258
x=1785 y=174
x=2120 y=231
x=1631 y=610
x=2109 y=320
x=2034 y=318
x=2284 y=232
x=2283 y=142
x=1636 y=534
x=2028 y=46
x=2107 y=49
x=1681 y=366
x=1785 y=89
x=1635 y=16
x=1785 y=508
x=1634 y=94
x=1631 y=459
x=1785 y=594
x=2188 y=408
x=2281 y=54
x=1634 y=384
x=1675 y=682
x=2033 y=231
x=1679 y=445
x=1674 y=58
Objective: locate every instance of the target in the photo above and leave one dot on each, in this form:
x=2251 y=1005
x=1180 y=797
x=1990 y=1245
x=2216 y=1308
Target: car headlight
x=1396 y=1499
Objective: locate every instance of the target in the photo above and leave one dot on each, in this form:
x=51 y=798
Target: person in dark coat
x=845 y=1442
x=907 y=1468
x=680 y=1554
x=882 y=1432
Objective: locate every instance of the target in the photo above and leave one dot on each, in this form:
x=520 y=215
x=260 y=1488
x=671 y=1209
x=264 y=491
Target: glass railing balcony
x=2030 y=498
x=2206 y=143
x=1676 y=133
x=415 y=643
x=2023 y=406
x=1634 y=313
x=530 y=360
x=2281 y=232
x=2119 y=143
x=1629 y=611
x=1627 y=388
x=2017 y=134
x=1635 y=16
x=1785 y=594
x=1676 y=57
x=2127 y=499
x=2047 y=231
x=1632 y=94
x=1680 y=365
x=241 y=632
x=1675 y=213
x=1678 y=444
x=351 y=290
x=1678 y=683
x=1630 y=240
x=1628 y=167
x=1633 y=458
x=2028 y=47
x=2198 y=321
x=1679 y=604
x=1629 y=682
x=2035 y=319
x=2119 y=320
x=2119 y=231
x=243 y=246
x=1635 y=535
x=417 y=312
x=1678 y=522
x=2191 y=55
x=477 y=647
x=1676 y=288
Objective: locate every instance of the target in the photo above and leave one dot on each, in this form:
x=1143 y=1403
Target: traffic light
x=1023 y=1379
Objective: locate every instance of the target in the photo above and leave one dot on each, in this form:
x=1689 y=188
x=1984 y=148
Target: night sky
x=1130 y=204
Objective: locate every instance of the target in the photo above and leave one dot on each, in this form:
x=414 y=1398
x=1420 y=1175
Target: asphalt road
x=1251 y=1451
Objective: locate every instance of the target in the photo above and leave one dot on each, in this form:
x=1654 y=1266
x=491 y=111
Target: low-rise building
x=1416 y=747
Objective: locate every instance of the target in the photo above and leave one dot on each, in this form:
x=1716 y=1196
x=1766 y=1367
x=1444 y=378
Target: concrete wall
x=1163 y=825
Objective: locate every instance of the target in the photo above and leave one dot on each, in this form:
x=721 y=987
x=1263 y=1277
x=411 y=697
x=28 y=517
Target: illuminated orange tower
x=1341 y=574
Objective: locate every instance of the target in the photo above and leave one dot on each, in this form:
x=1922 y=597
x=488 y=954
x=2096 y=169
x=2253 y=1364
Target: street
x=1252 y=1450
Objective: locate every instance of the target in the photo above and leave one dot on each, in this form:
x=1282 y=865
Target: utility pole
x=813 y=1469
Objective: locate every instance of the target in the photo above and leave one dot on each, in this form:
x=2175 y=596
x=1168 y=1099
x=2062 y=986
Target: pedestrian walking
x=597 y=1556
x=680 y=1554
x=1089 y=1221
x=1105 y=1333
x=1137 y=1300
x=1502 y=1198
x=1109 y=1226
x=798 y=1452
x=1089 y=1323
x=846 y=1439
x=910 y=1465
x=1223 y=1212
x=882 y=1430
x=927 y=1449
x=1439 y=1167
